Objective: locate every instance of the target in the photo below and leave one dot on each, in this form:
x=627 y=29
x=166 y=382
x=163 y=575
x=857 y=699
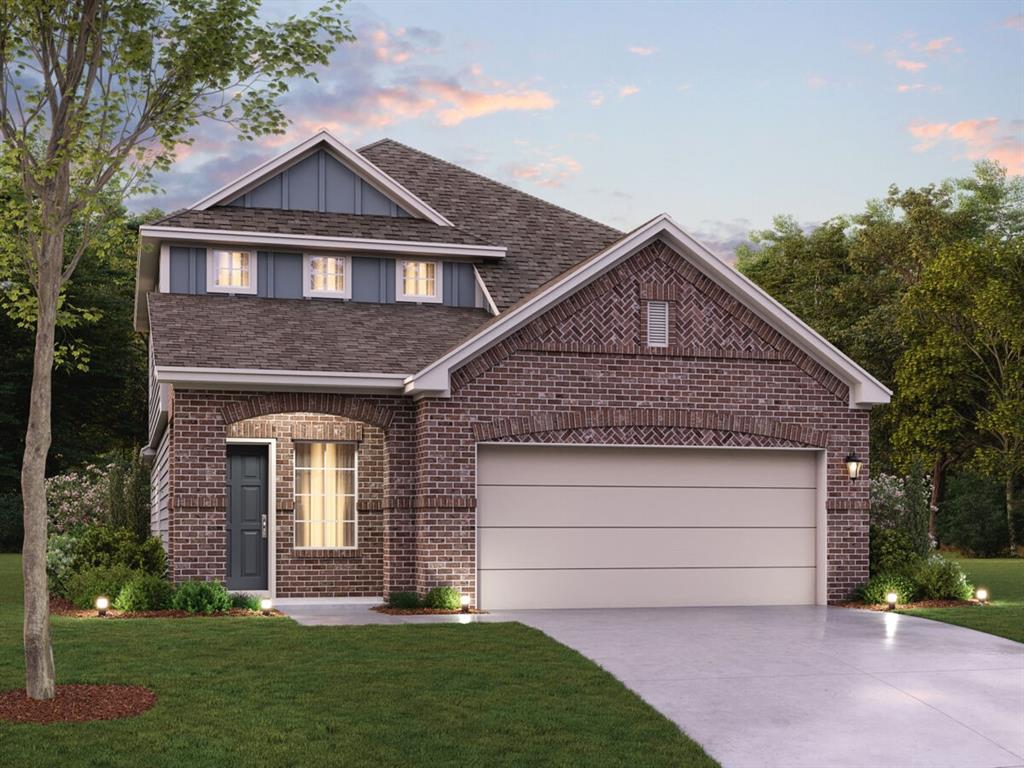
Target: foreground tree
x=95 y=96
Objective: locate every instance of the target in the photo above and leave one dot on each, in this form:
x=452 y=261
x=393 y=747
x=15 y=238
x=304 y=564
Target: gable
x=319 y=182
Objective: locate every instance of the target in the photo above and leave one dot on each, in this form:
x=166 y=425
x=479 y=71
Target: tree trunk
x=938 y=476
x=39 y=670
x=1011 y=508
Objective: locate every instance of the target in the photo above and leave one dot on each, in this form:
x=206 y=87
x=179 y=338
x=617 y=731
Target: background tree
x=95 y=95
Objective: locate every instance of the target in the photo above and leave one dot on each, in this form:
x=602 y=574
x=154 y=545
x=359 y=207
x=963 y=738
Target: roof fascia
x=279 y=380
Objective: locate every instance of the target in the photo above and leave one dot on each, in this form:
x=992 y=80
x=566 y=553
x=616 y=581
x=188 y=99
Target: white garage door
x=588 y=527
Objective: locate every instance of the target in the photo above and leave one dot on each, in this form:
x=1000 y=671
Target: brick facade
x=580 y=373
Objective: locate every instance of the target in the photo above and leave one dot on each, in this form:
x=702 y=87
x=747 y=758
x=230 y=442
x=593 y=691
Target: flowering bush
x=75 y=500
x=903 y=504
x=61 y=556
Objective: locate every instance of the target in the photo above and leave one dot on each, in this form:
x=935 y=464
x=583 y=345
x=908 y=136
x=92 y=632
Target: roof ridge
x=502 y=184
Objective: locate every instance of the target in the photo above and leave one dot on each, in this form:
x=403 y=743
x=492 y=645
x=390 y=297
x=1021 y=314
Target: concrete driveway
x=811 y=686
x=797 y=687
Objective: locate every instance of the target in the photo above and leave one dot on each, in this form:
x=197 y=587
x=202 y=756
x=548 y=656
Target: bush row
x=134 y=590
x=99 y=546
x=439 y=598
x=931 y=578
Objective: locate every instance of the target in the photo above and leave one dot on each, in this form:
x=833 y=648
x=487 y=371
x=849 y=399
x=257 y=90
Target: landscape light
x=853 y=465
x=892 y=598
x=982 y=595
x=102 y=604
x=266 y=604
x=464 y=601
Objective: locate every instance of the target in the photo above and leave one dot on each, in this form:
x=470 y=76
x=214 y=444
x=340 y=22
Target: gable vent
x=657 y=323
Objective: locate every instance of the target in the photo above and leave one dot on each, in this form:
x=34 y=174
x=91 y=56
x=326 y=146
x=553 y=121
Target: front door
x=247 y=517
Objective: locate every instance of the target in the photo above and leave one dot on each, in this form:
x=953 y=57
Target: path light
x=892 y=598
x=464 y=602
x=853 y=465
x=102 y=604
x=266 y=604
x=982 y=595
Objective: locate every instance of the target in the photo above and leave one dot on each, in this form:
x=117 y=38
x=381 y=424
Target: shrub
x=202 y=597
x=404 y=600
x=11 y=523
x=61 y=559
x=877 y=587
x=893 y=551
x=75 y=500
x=973 y=516
x=128 y=493
x=101 y=545
x=248 y=602
x=83 y=587
x=443 y=599
x=145 y=592
x=939 y=578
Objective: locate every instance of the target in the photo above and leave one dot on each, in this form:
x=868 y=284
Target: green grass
x=1004 y=579
x=268 y=692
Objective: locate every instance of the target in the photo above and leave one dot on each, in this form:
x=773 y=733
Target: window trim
x=355 y=495
x=400 y=294
x=211 y=272
x=310 y=293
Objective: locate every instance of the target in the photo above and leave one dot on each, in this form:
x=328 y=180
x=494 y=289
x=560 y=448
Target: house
x=372 y=370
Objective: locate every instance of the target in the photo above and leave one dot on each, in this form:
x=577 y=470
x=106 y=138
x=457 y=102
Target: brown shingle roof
x=543 y=240
x=326 y=224
x=303 y=334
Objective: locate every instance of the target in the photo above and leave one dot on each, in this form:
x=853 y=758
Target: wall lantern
x=853 y=465
x=892 y=598
x=102 y=604
x=265 y=605
x=464 y=602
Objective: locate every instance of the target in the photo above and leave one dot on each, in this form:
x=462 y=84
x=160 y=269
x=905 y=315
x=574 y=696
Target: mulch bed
x=77 y=704
x=908 y=606
x=61 y=607
x=418 y=611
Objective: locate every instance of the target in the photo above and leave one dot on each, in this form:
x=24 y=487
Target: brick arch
x=355 y=408
x=715 y=423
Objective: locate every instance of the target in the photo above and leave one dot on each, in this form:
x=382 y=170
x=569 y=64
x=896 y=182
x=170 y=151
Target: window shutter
x=657 y=323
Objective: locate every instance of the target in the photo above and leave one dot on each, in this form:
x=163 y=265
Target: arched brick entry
x=356 y=408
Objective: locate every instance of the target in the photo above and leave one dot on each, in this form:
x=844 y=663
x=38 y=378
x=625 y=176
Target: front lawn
x=1004 y=579
x=237 y=691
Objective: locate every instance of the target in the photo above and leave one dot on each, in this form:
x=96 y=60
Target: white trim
x=271 y=444
x=821 y=529
x=165 y=268
x=308 y=291
x=865 y=390
x=347 y=156
x=294 y=381
x=482 y=287
x=355 y=493
x=365 y=245
x=400 y=294
x=211 y=272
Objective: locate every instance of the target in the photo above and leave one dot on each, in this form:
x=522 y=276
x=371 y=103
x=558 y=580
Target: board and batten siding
x=319 y=183
x=160 y=490
x=279 y=276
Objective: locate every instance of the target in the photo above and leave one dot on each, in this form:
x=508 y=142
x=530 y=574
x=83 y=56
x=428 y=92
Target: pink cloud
x=938 y=45
x=913 y=87
x=628 y=90
x=549 y=172
x=910 y=66
x=465 y=103
x=642 y=50
x=596 y=98
x=1014 y=22
x=816 y=82
x=985 y=138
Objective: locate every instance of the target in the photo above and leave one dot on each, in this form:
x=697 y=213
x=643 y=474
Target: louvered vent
x=657 y=323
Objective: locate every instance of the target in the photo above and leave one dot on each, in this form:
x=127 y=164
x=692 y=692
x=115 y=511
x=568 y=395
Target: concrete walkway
x=798 y=686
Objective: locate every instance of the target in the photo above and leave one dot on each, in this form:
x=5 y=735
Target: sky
x=721 y=114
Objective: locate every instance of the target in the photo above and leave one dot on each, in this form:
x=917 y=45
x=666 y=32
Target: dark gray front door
x=247 y=517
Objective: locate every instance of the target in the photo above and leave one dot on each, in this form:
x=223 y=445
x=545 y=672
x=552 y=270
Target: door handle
x=264 y=524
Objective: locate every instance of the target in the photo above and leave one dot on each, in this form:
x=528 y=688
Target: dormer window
x=327 y=276
x=418 y=281
x=231 y=271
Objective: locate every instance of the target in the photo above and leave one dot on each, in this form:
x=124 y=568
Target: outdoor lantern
x=265 y=605
x=982 y=595
x=464 y=601
x=102 y=604
x=853 y=465
x=892 y=598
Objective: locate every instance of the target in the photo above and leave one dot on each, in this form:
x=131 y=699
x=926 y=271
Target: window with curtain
x=232 y=271
x=325 y=495
x=419 y=280
x=326 y=276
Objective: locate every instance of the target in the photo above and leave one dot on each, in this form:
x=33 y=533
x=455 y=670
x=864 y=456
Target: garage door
x=587 y=527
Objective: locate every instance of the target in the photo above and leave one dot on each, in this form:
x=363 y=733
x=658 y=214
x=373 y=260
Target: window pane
x=325 y=494
x=301 y=534
x=419 y=278
x=231 y=268
x=327 y=273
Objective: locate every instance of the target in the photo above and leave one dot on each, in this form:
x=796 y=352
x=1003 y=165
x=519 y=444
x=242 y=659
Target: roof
x=293 y=222
x=865 y=389
x=543 y=240
x=201 y=331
